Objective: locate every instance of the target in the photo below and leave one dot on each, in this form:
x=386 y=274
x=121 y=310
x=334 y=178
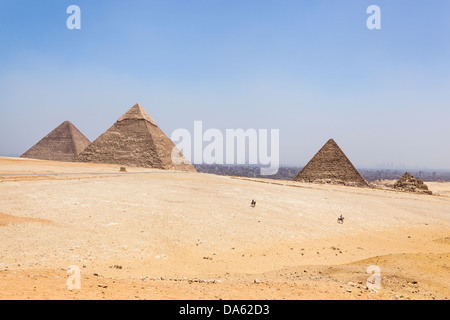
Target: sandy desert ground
x=152 y=234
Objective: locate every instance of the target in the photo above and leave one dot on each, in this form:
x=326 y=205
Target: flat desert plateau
x=153 y=234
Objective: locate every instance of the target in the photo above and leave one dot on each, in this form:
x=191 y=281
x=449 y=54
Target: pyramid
x=134 y=140
x=64 y=143
x=408 y=183
x=331 y=165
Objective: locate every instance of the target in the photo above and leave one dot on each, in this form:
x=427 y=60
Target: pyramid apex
x=331 y=141
x=136 y=112
x=67 y=123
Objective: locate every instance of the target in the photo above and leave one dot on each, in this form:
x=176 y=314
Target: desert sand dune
x=154 y=234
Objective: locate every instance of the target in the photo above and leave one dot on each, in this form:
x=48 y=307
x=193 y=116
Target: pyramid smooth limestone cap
x=136 y=112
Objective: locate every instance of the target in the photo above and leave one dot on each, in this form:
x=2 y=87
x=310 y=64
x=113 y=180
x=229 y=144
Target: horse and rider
x=340 y=220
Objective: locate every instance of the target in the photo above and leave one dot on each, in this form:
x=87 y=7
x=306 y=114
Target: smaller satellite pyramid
x=64 y=143
x=331 y=165
x=134 y=140
x=410 y=184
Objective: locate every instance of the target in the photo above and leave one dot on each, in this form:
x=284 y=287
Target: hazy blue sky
x=309 y=68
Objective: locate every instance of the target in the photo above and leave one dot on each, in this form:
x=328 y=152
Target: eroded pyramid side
x=64 y=143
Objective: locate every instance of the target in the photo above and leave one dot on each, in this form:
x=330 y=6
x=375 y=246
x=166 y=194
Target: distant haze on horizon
x=311 y=69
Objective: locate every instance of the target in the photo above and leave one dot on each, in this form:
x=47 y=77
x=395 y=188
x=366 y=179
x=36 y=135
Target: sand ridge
x=6 y=219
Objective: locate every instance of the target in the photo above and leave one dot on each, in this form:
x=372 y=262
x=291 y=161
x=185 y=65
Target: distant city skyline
x=312 y=69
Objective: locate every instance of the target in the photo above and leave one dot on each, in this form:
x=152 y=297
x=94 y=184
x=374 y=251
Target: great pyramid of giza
x=331 y=165
x=134 y=140
x=64 y=143
x=410 y=184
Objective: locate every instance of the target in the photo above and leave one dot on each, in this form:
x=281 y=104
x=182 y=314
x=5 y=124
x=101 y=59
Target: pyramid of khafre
x=64 y=143
x=134 y=140
x=331 y=165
